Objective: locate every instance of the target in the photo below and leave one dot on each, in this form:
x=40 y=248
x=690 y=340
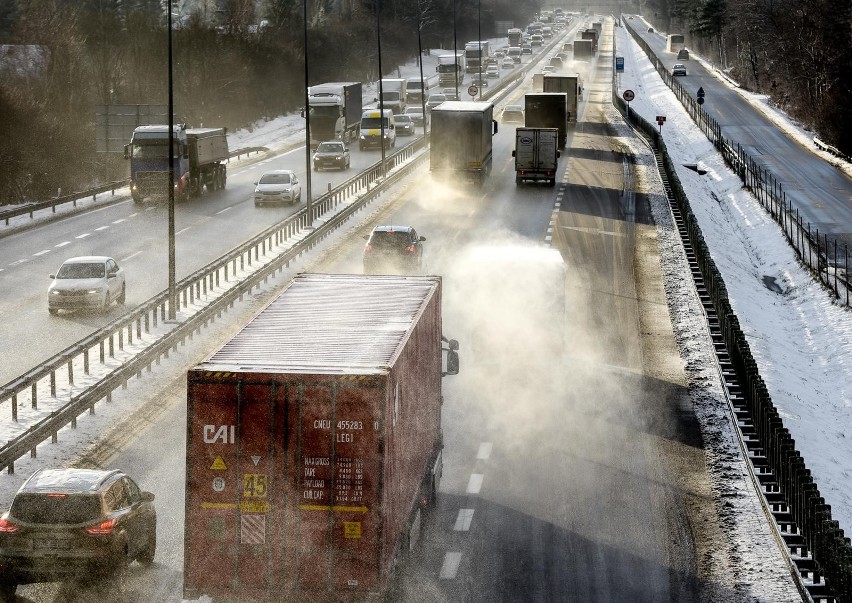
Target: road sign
x=628 y=95
x=619 y=64
x=700 y=95
x=472 y=90
x=661 y=119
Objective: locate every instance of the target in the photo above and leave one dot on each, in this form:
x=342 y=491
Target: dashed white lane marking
x=63 y=243
x=42 y=252
x=182 y=230
x=99 y=228
x=450 y=567
x=119 y=221
x=18 y=262
x=83 y=236
x=474 y=484
x=132 y=255
x=484 y=450
x=463 y=520
x=222 y=211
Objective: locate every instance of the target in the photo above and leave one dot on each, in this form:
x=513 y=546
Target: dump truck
x=314 y=443
x=536 y=155
x=199 y=160
x=583 y=50
x=335 y=111
x=547 y=110
x=462 y=137
x=569 y=83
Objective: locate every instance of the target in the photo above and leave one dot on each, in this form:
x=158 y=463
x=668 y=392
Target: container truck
x=475 y=53
x=536 y=155
x=314 y=443
x=569 y=83
x=199 y=160
x=393 y=94
x=583 y=50
x=449 y=68
x=335 y=111
x=462 y=137
x=547 y=110
x=590 y=34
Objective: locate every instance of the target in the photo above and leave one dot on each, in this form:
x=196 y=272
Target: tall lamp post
x=455 y=50
x=420 y=63
x=171 y=243
x=479 y=40
x=309 y=205
x=381 y=90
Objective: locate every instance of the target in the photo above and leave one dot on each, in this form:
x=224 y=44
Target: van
x=514 y=53
x=376 y=129
x=536 y=40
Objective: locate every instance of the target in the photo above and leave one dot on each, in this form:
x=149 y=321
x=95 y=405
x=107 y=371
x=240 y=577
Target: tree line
x=799 y=52
x=234 y=62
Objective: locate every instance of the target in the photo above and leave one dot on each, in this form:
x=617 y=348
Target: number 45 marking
x=255 y=485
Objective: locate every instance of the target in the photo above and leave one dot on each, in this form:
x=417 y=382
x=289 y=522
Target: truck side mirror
x=494 y=121
x=452 y=363
x=513 y=153
x=127 y=151
x=302 y=112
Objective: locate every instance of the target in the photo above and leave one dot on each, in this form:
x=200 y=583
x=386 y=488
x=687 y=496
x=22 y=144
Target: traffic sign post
x=472 y=90
x=628 y=96
x=661 y=119
x=619 y=64
x=700 y=95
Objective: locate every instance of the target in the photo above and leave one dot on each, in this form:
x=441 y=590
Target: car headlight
x=56 y=292
x=363 y=136
x=93 y=291
x=339 y=157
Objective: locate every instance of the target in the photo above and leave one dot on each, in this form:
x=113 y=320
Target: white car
x=492 y=71
x=278 y=186
x=507 y=63
x=91 y=281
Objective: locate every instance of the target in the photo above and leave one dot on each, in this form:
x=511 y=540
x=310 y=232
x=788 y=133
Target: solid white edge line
x=132 y=255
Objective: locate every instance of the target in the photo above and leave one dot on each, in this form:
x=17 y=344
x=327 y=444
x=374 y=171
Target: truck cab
x=377 y=128
x=148 y=153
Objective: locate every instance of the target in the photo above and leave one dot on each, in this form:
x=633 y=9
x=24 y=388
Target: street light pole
x=479 y=41
x=309 y=205
x=455 y=50
x=420 y=63
x=381 y=90
x=171 y=219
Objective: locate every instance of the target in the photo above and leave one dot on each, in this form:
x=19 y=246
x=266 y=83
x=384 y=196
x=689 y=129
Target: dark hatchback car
x=74 y=523
x=393 y=249
x=331 y=154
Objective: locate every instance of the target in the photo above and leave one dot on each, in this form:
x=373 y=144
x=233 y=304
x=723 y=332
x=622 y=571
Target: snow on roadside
x=800 y=338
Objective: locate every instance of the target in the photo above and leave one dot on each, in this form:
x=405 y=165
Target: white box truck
x=462 y=139
x=536 y=155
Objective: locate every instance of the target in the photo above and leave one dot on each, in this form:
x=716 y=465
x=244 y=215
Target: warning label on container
x=352 y=529
x=252 y=529
x=218 y=464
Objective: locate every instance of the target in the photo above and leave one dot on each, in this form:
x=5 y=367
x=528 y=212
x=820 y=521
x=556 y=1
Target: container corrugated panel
x=329 y=323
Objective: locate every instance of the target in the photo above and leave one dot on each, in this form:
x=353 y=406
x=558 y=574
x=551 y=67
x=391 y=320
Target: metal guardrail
x=827 y=259
x=110 y=187
x=197 y=286
x=814 y=542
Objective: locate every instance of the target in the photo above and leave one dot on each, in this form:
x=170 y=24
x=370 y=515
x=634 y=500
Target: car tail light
x=368 y=248
x=102 y=529
x=7 y=527
x=411 y=248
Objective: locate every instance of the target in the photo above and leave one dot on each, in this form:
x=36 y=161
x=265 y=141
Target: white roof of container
x=462 y=106
x=329 y=323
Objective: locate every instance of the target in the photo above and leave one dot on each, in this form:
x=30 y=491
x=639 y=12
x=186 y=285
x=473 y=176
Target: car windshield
x=82 y=270
x=386 y=239
x=56 y=508
x=437 y=98
x=330 y=147
x=403 y=119
x=275 y=179
x=373 y=123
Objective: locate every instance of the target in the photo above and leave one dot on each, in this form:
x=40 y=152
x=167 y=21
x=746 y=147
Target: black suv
x=390 y=249
x=68 y=523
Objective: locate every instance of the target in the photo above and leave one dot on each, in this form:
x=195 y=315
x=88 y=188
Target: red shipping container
x=313 y=439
